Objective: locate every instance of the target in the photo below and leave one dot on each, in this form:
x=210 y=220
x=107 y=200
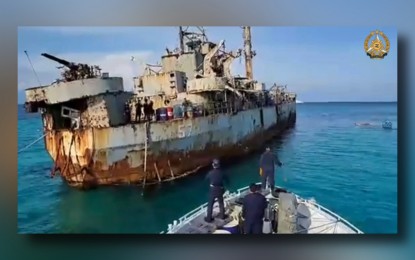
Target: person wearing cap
x=267 y=167
x=253 y=210
x=217 y=180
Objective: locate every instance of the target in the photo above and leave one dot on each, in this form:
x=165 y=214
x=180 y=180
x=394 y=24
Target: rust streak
x=88 y=170
x=157 y=172
x=171 y=171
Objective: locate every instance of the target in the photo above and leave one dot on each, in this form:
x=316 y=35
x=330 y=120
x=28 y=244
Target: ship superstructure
x=201 y=111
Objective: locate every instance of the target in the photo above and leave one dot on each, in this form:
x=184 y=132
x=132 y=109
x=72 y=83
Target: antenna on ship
x=33 y=68
x=249 y=54
x=191 y=37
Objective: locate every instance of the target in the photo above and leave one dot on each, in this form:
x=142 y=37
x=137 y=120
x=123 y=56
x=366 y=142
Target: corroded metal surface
x=112 y=156
x=163 y=82
x=93 y=137
x=65 y=91
x=206 y=84
x=186 y=62
x=105 y=110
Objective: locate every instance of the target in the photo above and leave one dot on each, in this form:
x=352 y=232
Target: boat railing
x=195 y=212
x=319 y=207
x=191 y=213
x=331 y=213
x=231 y=195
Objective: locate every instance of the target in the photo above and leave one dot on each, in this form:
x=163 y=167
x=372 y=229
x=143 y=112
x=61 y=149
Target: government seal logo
x=379 y=45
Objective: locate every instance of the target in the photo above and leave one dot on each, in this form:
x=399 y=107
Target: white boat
x=287 y=213
x=299 y=102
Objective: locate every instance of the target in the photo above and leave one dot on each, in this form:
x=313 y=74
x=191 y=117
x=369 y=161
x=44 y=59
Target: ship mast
x=191 y=36
x=181 y=39
x=249 y=54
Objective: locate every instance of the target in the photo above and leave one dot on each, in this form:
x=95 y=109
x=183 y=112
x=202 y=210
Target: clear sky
x=318 y=63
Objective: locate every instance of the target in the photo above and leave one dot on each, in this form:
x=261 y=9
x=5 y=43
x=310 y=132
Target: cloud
x=117 y=64
x=317 y=71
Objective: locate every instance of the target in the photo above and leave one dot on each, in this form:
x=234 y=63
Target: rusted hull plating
x=118 y=156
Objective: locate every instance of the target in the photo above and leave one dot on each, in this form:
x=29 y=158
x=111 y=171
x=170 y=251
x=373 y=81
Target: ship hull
x=119 y=155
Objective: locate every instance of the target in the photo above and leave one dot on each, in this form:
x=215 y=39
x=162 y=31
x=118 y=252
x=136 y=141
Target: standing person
x=150 y=110
x=253 y=210
x=145 y=109
x=127 y=111
x=217 y=180
x=138 y=111
x=267 y=168
x=185 y=105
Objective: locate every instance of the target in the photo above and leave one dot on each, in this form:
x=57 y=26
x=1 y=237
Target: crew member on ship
x=217 y=180
x=267 y=168
x=185 y=105
x=127 y=111
x=138 y=111
x=253 y=210
x=150 y=110
x=145 y=109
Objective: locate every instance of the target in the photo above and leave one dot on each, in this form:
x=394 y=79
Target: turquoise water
x=350 y=170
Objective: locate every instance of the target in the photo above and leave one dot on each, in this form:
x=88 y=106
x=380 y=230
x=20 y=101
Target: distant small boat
x=299 y=102
x=387 y=125
x=364 y=124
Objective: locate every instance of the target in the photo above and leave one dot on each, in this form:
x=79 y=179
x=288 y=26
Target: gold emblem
x=378 y=49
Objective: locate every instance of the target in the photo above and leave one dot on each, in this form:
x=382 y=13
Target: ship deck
x=312 y=218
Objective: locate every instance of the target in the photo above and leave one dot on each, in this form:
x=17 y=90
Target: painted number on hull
x=185 y=130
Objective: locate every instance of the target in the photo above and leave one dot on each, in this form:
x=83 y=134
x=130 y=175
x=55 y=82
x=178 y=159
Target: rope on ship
x=327 y=225
x=145 y=146
x=32 y=143
x=145 y=157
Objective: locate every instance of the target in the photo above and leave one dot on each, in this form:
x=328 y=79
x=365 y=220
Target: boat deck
x=312 y=218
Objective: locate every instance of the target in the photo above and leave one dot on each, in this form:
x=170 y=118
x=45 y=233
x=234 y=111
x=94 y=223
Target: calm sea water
x=350 y=170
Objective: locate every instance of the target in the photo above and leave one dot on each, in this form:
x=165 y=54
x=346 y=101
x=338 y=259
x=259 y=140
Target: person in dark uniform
x=253 y=210
x=127 y=111
x=145 y=109
x=150 y=110
x=138 y=111
x=185 y=105
x=217 y=181
x=267 y=167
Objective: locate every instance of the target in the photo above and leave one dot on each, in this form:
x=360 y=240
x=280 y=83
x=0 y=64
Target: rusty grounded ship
x=201 y=112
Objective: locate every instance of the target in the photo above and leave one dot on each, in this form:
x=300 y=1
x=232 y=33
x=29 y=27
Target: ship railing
x=216 y=108
x=228 y=196
x=220 y=108
x=229 y=108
